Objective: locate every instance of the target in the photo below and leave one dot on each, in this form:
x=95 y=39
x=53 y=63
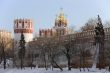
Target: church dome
x=61 y=20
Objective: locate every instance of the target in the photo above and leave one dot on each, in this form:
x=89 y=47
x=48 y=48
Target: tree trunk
x=80 y=61
x=45 y=62
x=57 y=65
x=32 y=60
x=69 y=63
x=109 y=68
x=52 y=64
x=21 y=63
x=83 y=62
x=4 y=63
x=21 y=58
x=4 y=59
x=68 y=58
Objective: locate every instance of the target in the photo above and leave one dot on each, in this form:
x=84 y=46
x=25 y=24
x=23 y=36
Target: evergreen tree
x=99 y=39
x=22 y=49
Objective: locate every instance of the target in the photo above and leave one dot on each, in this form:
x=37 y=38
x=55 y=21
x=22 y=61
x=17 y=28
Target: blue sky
x=43 y=12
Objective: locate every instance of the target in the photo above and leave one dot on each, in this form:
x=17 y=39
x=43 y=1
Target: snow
x=95 y=59
x=9 y=63
x=10 y=69
x=42 y=70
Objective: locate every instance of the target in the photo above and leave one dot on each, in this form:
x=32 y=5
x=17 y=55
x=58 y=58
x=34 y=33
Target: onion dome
x=61 y=20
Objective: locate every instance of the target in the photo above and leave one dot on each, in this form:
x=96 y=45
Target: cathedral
x=60 y=28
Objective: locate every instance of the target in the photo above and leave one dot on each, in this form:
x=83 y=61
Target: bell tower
x=61 y=24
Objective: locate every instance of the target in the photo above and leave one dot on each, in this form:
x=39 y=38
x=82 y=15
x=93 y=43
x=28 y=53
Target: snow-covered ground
x=42 y=70
x=10 y=69
x=9 y=63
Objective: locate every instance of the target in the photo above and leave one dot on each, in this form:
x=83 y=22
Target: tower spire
x=99 y=19
x=61 y=10
x=99 y=22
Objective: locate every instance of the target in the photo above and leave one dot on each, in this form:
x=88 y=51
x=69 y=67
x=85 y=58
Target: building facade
x=83 y=40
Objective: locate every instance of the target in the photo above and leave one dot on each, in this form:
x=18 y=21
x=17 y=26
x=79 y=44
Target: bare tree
x=43 y=52
x=84 y=53
x=54 y=52
x=89 y=25
x=3 y=47
x=31 y=53
x=106 y=24
x=68 y=49
x=49 y=52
